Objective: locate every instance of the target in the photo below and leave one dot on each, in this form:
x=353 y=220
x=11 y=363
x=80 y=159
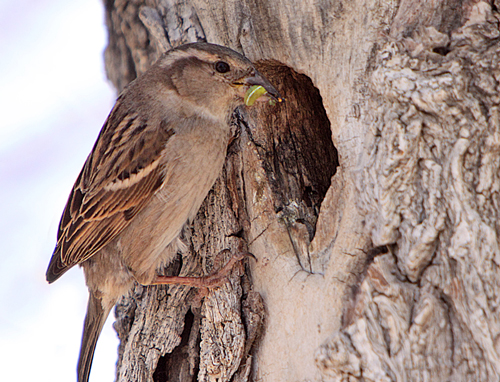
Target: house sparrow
x=155 y=160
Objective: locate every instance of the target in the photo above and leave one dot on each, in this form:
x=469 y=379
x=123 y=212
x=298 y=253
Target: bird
x=157 y=156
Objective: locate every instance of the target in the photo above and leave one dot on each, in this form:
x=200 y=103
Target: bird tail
x=97 y=312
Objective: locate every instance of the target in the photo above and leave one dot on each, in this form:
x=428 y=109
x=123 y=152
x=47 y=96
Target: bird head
x=215 y=77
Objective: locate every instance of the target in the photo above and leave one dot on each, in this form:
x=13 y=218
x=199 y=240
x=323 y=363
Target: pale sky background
x=54 y=99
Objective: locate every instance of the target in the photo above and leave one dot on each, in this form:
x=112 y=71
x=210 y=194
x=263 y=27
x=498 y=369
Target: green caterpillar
x=255 y=92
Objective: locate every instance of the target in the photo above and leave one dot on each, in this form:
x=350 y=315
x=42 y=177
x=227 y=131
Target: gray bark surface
x=370 y=199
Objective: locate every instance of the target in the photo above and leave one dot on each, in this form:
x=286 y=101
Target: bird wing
x=120 y=175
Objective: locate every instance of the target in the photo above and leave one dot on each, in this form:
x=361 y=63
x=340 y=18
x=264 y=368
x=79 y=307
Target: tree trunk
x=370 y=199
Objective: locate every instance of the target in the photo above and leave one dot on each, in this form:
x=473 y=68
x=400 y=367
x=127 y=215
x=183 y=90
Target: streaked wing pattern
x=101 y=203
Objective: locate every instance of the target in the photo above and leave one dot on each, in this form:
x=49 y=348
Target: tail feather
x=97 y=312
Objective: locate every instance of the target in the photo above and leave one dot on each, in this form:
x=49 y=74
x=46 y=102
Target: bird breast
x=192 y=160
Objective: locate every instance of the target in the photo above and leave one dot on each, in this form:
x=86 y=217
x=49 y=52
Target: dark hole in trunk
x=175 y=366
x=294 y=140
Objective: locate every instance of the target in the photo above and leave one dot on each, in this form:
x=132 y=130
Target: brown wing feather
x=115 y=183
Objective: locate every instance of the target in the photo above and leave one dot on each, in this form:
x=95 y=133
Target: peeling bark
x=429 y=309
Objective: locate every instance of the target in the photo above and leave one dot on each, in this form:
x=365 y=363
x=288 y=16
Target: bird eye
x=222 y=67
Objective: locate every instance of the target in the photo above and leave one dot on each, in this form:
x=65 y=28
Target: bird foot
x=211 y=281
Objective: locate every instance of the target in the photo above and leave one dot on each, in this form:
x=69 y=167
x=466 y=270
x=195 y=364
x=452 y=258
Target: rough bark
x=370 y=199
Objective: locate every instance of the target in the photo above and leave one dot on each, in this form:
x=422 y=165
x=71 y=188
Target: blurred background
x=54 y=99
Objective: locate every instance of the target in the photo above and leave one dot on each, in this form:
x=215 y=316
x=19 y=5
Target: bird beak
x=256 y=85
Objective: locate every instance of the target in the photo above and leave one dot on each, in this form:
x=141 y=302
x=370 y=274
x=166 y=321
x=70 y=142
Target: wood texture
x=370 y=199
x=428 y=309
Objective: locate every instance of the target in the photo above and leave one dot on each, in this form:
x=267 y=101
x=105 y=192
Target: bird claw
x=213 y=280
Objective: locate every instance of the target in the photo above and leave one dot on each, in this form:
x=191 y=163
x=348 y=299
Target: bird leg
x=214 y=280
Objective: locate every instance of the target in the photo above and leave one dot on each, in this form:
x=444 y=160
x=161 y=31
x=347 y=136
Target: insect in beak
x=258 y=86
